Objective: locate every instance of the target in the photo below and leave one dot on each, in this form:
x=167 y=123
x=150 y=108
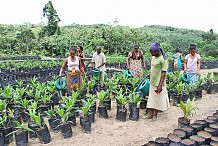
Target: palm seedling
x=135 y=100
x=2 y=106
x=8 y=93
x=86 y=108
x=134 y=82
x=187 y=108
x=64 y=115
x=3 y=121
x=65 y=123
x=33 y=82
x=101 y=98
x=19 y=83
x=122 y=101
x=179 y=89
x=52 y=119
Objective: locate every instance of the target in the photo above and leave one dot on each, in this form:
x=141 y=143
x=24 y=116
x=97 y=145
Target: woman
x=177 y=61
x=81 y=55
x=158 y=98
x=192 y=64
x=137 y=62
x=74 y=79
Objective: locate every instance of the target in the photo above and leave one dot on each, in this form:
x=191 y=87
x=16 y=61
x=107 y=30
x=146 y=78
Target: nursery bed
x=130 y=133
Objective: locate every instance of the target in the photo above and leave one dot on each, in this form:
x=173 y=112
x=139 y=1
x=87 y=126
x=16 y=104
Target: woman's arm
x=128 y=60
x=185 y=65
x=82 y=70
x=63 y=67
x=143 y=62
x=163 y=76
x=199 y=66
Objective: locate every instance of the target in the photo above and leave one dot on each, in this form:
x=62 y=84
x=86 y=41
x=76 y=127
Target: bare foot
x=149 y=117
x=154 y=118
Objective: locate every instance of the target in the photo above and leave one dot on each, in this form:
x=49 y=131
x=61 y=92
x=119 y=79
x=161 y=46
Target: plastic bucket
x=144 y=86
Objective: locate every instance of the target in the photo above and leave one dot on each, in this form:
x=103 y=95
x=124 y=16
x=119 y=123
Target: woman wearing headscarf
x=137 y=62
x=158 y=98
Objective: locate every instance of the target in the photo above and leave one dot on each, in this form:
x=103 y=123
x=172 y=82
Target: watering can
x=143 y=87
x=128 y=74
x=96 y=72
x=60 y=84
x=185 y=78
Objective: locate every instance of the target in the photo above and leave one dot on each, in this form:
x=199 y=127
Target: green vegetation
x=187 y=108
x=115 y=40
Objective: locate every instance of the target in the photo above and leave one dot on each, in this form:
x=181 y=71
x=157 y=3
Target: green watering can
x=96 y=72
x=128 y=74
x=143 y=87
x=60 y=84
x=185 y=78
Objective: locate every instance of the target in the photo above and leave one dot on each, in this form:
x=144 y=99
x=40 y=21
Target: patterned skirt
x=193 y=79
x=136 y=68
x=74 y=81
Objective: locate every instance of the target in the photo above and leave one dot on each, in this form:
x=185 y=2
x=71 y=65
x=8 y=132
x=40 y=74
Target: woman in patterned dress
x=135 y=62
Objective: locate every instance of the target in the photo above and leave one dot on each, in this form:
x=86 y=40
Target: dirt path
x=109 y=132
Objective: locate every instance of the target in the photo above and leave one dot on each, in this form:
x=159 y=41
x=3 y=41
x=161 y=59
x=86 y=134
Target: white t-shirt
x=192 y=65
x=98 y=59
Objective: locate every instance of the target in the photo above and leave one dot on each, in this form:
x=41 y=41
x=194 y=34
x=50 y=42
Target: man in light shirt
x=98 y=61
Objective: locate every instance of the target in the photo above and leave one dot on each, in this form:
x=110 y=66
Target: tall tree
x=53 y=20
x=24 y=36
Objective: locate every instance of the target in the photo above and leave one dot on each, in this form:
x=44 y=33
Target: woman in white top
x=74 y=79
x=192 y=64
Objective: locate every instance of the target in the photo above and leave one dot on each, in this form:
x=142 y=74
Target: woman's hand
x=86 y=79
x=159 y=89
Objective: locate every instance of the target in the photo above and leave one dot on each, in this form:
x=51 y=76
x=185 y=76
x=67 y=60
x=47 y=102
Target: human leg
x=150 y=113
x=155 y=113
x=102 y=78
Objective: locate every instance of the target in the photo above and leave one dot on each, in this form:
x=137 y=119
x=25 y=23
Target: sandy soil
x=107 y=132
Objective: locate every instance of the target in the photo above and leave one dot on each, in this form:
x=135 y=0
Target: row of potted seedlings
x=201 y=132
x=35 y=101
x=179 y=90
x=38 y=101
x=20 y=58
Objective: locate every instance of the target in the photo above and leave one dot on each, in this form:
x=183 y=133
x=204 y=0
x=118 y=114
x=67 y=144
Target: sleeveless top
x=81 y=56
x=74 y=64
x=134 y=56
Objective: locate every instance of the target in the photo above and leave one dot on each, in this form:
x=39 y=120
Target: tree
x=25 y=36
x=53 y=20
